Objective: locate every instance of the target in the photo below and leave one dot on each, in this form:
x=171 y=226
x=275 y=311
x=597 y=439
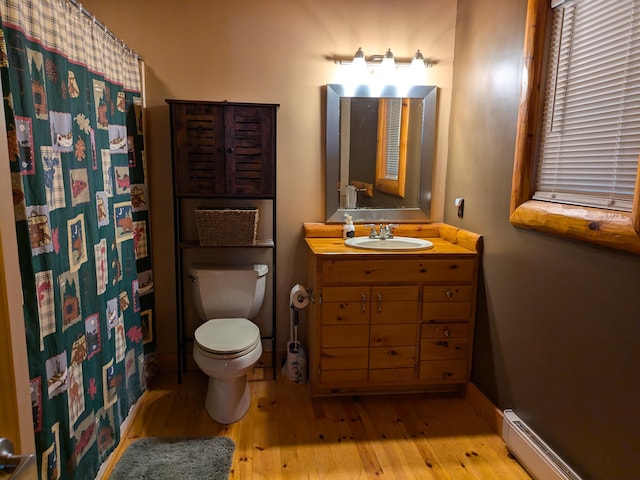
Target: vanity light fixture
x=359 y=59
x=380 y=70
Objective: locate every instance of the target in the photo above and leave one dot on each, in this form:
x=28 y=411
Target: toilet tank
x=228 y=291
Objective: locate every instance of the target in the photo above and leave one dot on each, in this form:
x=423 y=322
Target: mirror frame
x=421 y=213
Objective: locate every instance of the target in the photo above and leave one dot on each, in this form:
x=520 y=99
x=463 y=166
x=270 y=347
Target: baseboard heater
x=536 y=457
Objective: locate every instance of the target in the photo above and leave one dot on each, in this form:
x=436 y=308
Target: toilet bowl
x=228 y=344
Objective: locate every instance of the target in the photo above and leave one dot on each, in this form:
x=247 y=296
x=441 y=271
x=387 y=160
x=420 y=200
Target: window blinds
x=392 y=148
x=590 y=137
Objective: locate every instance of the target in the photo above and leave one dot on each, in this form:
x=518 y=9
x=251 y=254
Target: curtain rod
x=97 y=22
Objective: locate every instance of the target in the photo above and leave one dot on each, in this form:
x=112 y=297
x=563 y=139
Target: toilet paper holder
x=312 y=299
x=299 y=294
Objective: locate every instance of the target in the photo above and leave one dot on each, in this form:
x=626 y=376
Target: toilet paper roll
x=299 y=297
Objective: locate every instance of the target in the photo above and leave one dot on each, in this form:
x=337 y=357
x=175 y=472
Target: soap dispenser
x=348 y=230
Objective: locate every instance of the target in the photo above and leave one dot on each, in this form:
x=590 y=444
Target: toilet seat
x=227 y=337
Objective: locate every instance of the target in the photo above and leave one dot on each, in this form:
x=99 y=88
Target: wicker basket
x=227 y=227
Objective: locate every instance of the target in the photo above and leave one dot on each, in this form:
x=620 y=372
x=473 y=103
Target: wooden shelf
x=223 y=153
x=185 y=244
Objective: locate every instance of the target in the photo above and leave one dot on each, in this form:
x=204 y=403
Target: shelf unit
x=224 y=156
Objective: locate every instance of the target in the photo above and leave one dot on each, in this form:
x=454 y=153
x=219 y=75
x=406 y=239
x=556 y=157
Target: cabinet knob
x=229 y=150
x=449 y=294
x=447 y=332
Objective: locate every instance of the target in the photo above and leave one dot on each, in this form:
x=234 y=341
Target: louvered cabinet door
x=249 y=150
x=198 y=148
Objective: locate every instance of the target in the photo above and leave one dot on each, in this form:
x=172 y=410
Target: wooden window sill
x=606 y=228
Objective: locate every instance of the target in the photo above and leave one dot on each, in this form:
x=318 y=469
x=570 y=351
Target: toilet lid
x=227 y=335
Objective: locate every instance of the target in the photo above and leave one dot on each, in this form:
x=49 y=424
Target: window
x=578 y=140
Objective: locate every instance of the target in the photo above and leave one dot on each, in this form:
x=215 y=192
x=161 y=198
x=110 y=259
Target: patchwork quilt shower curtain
x=72 y=100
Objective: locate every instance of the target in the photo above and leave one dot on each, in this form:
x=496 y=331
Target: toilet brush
x=295 y=368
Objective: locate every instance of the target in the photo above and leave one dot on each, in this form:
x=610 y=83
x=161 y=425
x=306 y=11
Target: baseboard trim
x=485 y=408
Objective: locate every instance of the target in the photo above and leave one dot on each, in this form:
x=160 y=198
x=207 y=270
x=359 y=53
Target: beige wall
x=270 y=51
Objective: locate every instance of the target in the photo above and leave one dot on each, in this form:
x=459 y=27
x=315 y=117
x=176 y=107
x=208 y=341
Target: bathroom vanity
x=391 y=321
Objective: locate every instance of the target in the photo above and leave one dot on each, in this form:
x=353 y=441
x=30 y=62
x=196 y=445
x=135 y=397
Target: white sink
x=395 y=243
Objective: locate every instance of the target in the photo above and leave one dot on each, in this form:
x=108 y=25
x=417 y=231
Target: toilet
x=227 y=345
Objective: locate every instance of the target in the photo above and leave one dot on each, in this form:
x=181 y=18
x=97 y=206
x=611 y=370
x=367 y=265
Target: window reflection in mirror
x=380 y=151
x=391 y=154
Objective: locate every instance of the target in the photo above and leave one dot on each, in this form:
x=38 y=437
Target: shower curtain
x=73 y=108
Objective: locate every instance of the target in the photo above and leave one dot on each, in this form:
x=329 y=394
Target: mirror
x=379 y=153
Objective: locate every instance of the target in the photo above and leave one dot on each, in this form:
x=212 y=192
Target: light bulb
x=418 y=59
x=359 y=67
x=388 y=68
x=417 y=68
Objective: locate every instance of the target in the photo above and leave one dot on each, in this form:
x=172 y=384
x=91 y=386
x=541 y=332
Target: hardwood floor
x=288 y=435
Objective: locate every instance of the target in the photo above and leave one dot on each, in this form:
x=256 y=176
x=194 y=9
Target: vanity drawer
x=444 y=330
x=394 y=313
x=351 y=358
x=443 y=370
x=439 y=311
x=392 y=335
x=447 y=293
x=450 y=349
x=392 y=375
x=392 y=357
x=345 y=335
x=393 y=271
x=345 y=313
x=346 y=294
x=400 y=293
x=347 y=377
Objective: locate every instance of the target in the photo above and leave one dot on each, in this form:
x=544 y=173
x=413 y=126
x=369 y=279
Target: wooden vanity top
x=326 y=239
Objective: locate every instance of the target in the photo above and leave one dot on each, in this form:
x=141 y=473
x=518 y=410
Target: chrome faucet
x=373 y=233
x=386 y=231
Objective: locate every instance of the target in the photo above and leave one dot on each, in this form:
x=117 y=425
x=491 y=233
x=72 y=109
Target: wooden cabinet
x=368 y=333
x=224 y=156
x=223 y=148
x=391 y=322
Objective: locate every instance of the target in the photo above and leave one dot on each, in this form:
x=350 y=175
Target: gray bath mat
x=156 y=458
